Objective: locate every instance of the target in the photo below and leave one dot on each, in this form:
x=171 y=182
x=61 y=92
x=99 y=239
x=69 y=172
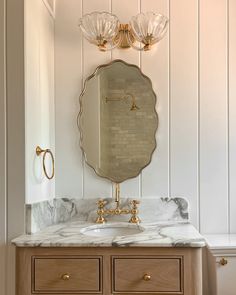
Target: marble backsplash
x=43 y=214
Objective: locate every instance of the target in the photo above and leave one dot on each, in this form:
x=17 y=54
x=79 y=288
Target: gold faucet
x=117 y=210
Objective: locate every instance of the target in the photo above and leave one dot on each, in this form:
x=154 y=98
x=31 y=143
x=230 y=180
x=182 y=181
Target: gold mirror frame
x=81 y=112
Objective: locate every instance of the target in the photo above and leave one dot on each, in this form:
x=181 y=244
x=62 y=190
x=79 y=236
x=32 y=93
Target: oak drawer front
x=156 y=275
x=76 y=275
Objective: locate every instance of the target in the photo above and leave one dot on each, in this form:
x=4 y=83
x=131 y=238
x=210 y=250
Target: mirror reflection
x=118 y=121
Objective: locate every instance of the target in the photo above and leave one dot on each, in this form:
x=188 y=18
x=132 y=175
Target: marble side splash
x=43 y=214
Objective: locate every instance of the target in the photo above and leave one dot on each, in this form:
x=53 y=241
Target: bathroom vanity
x=76 y=258
x=109 y=271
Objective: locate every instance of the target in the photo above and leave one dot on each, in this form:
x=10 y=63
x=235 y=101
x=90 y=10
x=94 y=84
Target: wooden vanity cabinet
x=120 y=271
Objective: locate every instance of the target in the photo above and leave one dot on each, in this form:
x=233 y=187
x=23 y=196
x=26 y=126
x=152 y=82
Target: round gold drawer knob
x=146 y=277
x=223 y=261
x=65 y=277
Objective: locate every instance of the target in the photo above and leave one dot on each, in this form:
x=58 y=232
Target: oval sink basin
x=111 y=230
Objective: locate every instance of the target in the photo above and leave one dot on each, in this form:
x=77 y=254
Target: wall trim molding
x=51 y=8
x=15 y=120
x=3 y=200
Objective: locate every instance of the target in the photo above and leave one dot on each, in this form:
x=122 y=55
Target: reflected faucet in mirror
x=134 y=106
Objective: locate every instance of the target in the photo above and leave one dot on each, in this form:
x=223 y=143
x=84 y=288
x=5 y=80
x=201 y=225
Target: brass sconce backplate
x=123 y=31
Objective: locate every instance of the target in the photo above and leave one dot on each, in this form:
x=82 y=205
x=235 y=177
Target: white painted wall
x=232 y=113
x=193 y=71
x=39 y=97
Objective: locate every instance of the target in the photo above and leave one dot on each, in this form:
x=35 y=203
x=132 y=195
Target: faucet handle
x=101 y=203
x=100 y=212
x=135 y=203
x=134 y=212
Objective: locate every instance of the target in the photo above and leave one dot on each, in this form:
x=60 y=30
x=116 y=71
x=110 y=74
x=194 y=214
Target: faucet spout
x=102 y=211
x=117 y=193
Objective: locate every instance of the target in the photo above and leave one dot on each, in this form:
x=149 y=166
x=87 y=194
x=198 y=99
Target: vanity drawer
x=156 y=275
x=77 y=275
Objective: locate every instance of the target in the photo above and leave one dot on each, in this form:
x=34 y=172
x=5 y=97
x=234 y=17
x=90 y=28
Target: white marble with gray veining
x=157 y=234
x=43 y=214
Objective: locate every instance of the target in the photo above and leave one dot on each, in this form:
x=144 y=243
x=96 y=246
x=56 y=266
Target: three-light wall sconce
x=104 y=30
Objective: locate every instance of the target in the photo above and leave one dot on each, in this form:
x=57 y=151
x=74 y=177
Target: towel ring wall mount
x=40 y=151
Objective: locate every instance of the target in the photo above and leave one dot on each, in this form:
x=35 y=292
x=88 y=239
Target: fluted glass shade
x=148 y=28
x=100 y=28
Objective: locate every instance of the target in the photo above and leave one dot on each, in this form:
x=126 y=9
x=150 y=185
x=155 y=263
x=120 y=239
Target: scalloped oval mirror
x=118 y=121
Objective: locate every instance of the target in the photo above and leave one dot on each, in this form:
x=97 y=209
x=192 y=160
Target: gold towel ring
x=39 y=151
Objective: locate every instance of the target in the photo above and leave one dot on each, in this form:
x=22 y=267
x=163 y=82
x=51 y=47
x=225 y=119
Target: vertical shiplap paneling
x=32 y=99
x=94 y=186
x=47 y=88
x=184 y=102
x=39 y=97
x=155 y=64
x=213 y=116
x=68 y=77
x=130 y=187
x=232 y=113
x=184 y=109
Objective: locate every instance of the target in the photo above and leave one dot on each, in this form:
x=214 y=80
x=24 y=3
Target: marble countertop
x=221 y=241
x=159 y=234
